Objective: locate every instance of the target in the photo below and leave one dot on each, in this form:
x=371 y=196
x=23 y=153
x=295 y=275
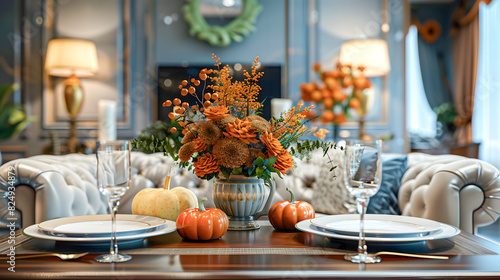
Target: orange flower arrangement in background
x=337 y=93
x=223 y=132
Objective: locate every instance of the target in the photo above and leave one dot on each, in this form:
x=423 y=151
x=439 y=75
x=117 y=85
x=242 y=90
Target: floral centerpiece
x=225 y=136
x=224 y=132
x=342 y=90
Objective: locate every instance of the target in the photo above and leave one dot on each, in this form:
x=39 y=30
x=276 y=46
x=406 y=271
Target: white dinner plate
x=33 y=231
x=446 y=231
x=100 y=225
x=378 y=225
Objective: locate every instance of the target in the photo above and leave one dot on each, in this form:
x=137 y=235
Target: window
x=486 y=119
x=420 y=118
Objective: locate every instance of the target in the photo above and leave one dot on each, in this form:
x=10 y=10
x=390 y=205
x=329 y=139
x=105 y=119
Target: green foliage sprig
x=158 y=138
x=12 y=117
x=446 y=113
x=304 y=148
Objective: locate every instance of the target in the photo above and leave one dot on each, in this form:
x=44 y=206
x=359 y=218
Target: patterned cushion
x=330 y=195
x=385 y=201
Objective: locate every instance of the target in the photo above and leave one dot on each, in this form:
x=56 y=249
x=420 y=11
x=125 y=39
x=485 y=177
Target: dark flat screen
x=170 y=77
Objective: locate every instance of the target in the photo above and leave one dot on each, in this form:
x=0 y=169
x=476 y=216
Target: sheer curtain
x=421 y=119
x=486 y=119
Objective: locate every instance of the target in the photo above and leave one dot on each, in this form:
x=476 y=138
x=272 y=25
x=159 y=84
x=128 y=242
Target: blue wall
x=340 y=21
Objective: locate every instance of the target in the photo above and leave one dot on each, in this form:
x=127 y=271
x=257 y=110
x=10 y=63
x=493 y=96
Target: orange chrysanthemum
x=241 y=129
x=284 y=162
x=231 y=152
x=200 y=145
x=272 y=144
x=216 y=112
x=206 y=164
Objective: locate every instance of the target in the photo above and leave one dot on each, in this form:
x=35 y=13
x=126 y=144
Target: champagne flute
x=113 y=180
x=362 y=176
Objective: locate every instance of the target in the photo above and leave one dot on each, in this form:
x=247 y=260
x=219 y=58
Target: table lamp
x=72 y=58
x=373 y=56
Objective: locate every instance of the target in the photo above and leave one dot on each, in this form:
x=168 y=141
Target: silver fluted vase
x=241 y=198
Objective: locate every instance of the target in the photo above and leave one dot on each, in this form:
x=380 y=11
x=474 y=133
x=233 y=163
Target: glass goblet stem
x=362 y=205
x=113 y=206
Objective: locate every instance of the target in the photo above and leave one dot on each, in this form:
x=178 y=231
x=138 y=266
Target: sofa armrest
x=63 y=186
x=451 y=189
x=62 y=190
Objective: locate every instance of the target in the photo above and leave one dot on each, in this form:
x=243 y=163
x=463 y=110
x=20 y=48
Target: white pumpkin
x=164 y=203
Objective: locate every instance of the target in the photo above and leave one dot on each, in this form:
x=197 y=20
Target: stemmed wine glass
x=113 y=180
x=362 y=175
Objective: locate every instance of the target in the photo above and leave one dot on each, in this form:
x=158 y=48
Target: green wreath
x=222 y=35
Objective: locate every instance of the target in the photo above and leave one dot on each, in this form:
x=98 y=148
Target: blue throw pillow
x=368 y=166
x=385 y=201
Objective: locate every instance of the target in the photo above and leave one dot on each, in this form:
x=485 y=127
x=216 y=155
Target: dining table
x=263 y=253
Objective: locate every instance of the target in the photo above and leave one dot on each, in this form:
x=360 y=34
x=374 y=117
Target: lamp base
x=72 y=143
x=73 y=95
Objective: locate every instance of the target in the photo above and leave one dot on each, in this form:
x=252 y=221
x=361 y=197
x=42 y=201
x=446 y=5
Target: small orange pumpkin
x=202 y=224
x=283 y=215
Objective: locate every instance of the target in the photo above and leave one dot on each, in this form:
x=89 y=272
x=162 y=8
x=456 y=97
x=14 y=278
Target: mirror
x=219 y=22
x=220 y=12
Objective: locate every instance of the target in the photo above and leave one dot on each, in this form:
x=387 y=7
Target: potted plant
x=13 y=119
x=445 y=127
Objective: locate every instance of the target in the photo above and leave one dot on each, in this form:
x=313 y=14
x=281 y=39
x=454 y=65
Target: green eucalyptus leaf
x=260 y=172
x=271 y=161
x=272 y=169
x=237 y=171
x=225 y=171
x=259 y=161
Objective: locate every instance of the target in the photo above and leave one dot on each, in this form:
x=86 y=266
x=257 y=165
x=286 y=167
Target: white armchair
x=451 y=189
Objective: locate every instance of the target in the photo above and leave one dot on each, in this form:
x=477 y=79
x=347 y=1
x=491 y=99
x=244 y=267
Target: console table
x=470 y=150
x=258 y=254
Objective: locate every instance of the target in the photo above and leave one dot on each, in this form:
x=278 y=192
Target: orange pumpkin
x=202 y=224
x=283 y=215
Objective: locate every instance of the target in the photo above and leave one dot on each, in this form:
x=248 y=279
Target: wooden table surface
x=258 y=254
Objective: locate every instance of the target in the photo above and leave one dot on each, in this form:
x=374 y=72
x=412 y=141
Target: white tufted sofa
x=450 y=189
